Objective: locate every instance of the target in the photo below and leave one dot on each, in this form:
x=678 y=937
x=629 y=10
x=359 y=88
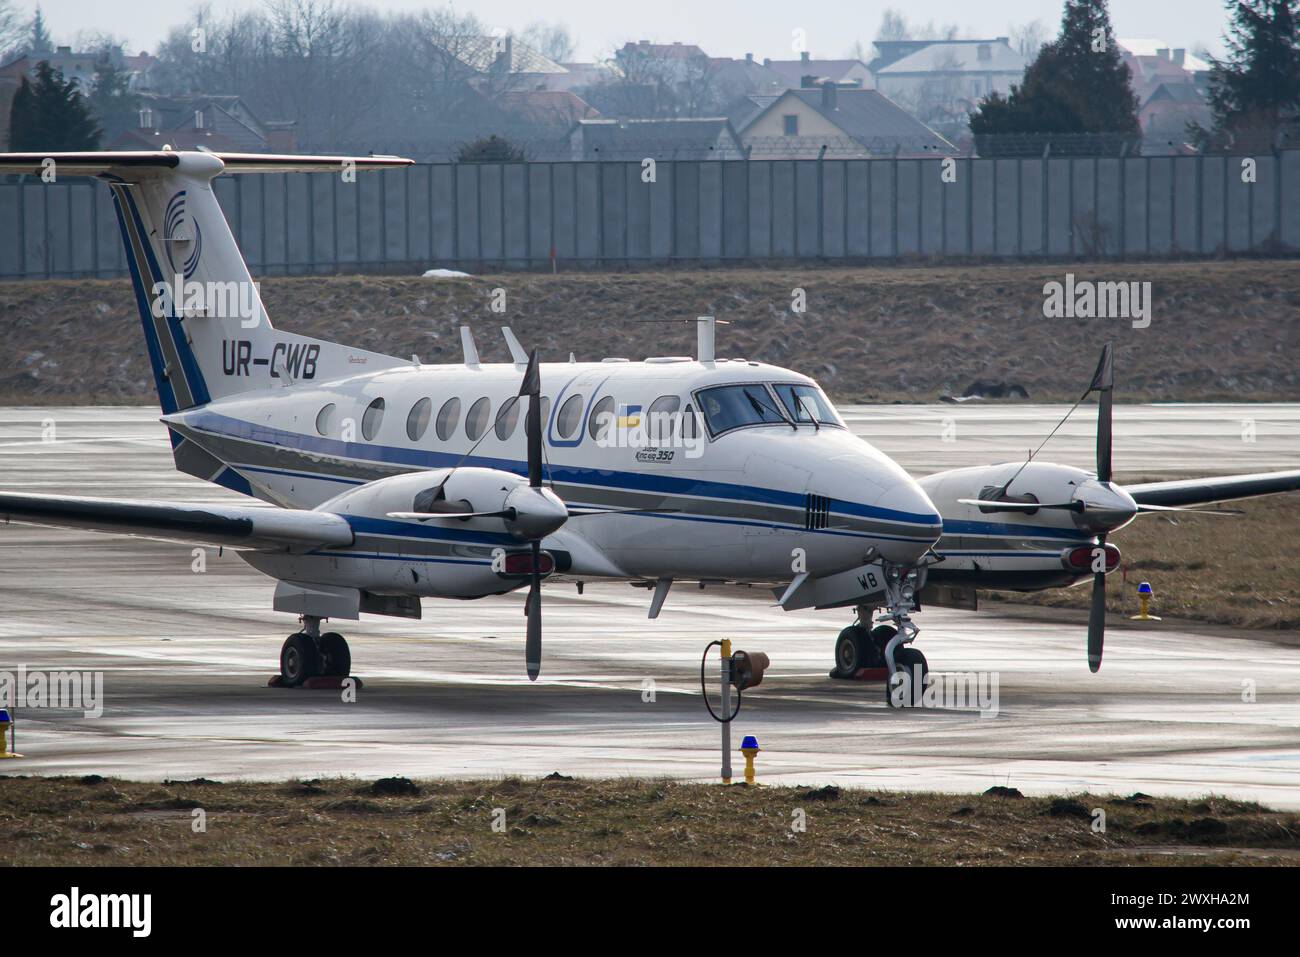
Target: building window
x=791 y=124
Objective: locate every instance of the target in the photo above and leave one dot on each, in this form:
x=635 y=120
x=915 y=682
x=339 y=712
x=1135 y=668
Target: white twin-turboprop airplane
x=394 y=480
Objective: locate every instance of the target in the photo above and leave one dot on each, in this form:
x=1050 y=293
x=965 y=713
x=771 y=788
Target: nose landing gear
x=880 y=653
x=308 y=657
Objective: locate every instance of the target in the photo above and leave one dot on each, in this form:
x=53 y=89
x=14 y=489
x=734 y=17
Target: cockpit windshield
x=807 y=403
x=728 y=407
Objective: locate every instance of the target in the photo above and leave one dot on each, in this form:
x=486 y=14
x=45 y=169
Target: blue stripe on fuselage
x=223 y=425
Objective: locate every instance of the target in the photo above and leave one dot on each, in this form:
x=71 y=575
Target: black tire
x=336 y=655
x=902 y=689
x=881 y=635
x=299 y=660
x=851 y=651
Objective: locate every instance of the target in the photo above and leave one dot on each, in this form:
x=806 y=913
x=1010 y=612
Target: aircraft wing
x=231 y=526
x=1204 y=491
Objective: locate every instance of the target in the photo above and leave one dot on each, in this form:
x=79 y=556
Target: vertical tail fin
x=205 y=328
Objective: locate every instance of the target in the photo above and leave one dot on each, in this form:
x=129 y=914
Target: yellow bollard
x=6 y=724
x=1144 y=604
x=749 y=748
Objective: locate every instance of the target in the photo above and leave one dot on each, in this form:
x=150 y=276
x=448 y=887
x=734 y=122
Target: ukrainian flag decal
x=629 y=416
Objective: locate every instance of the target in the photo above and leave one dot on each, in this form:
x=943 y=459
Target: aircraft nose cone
x=1106 y=507
x=919 y=522
x=538 y=512
x=911 y=504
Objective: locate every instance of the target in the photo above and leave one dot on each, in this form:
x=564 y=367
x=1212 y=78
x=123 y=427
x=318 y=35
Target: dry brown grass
x=1242 y=571
x=1221 y=330
x=67 y=821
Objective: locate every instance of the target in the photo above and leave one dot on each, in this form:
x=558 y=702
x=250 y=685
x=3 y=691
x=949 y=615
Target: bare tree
x=13 y=29
x=1028 y=39
x=655 y=83
x=893 y=26
x=551 y=40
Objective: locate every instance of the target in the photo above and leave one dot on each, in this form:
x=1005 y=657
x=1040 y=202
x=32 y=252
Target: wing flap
x=1205 y=491
x=233 y=526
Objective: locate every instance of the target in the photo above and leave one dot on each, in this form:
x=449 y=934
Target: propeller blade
x=996 y=506
x=532 y=388
x=1097 y=615
x=580 y=510
x=1103 y=383
x=533 y=647
x=508 y=513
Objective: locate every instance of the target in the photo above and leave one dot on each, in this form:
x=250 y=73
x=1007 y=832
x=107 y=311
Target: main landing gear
x=881 y=652
x=308 y=654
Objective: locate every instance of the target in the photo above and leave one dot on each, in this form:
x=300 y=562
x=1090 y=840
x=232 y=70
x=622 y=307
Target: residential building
x=694 y=138
x=833 y=121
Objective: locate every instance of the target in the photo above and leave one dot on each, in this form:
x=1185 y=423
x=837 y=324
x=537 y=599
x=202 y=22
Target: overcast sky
x=721 y=27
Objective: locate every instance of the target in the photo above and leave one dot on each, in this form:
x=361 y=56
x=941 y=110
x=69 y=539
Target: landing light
x=1081 y=557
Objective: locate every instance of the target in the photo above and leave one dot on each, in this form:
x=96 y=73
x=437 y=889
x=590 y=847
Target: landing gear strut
x=309 y=654
x=883 y=647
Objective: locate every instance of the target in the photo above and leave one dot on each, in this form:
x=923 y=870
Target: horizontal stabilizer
x=96 y=163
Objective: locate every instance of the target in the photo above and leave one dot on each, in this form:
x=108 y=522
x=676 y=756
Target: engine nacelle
x=524 y=512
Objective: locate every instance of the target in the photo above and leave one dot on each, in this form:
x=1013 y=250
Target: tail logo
x=180 y=245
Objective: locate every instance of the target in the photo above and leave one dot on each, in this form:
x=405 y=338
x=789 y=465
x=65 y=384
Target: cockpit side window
x=806 y=402
x=728 y=407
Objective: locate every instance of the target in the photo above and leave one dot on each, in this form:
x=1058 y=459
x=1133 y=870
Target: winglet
x=467 y=344
x=517 y=353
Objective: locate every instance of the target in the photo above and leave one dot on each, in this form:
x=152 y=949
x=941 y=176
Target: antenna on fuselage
x=704 y=328
x=467 y=344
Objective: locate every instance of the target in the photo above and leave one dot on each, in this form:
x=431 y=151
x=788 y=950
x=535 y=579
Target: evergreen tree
x=40 y=41
x=1077 y=84
x=111 y=100
x=50 y=114
x=1257 y=87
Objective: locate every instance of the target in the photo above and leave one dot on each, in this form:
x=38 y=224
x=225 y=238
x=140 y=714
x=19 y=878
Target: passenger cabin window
x=570 y=417
x=600 y=423
x=477 y=420
x=662 y=418
x=325 y=419
x=507 y=418
x=545 y=412
x=417 y=420
x=804 y=402
x=371 y=419
x=448 y=418
x=728 y=407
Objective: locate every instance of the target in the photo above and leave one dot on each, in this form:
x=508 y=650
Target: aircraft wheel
x=299 y=660
x=903 y=690
x=336 y=655
x=880 y=637
x=852 y=651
